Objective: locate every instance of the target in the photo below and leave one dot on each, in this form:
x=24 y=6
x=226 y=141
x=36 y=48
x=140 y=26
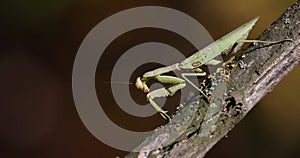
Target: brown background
x=39 y=41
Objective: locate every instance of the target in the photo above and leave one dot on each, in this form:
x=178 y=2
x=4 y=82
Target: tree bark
x=197 y=127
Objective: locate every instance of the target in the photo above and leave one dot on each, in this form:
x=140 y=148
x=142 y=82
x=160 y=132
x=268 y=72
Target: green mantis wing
x=227 y=43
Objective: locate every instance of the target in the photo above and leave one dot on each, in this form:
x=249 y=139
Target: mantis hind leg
x=266 y=42
x=176 y=85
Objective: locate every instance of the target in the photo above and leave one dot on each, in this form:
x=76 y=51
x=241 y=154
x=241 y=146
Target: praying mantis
x=226 y=45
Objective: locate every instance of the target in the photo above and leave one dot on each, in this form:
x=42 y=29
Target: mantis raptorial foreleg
x=176 y=84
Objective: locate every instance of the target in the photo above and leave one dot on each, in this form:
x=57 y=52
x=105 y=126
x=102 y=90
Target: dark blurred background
x=39 y=42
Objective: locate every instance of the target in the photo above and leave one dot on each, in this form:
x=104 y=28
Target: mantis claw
x=165 y=115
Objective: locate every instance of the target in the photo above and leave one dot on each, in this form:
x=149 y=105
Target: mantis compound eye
x=139 y=84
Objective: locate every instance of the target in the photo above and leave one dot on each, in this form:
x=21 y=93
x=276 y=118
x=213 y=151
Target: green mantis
x=226 y=45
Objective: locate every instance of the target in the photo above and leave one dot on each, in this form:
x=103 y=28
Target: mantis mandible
x=227 y=45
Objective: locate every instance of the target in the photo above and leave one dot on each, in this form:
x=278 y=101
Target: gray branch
x=197 y=127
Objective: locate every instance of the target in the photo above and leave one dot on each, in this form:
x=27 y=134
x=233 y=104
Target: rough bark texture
x=196 y=128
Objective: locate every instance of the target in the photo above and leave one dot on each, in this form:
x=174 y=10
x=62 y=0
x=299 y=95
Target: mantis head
x=139 y=84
